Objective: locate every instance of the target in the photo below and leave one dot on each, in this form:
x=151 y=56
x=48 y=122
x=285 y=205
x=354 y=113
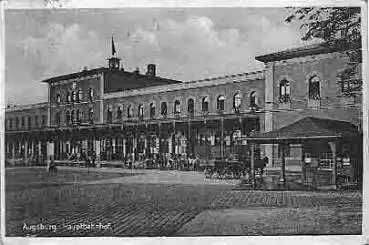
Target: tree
x=339 y=28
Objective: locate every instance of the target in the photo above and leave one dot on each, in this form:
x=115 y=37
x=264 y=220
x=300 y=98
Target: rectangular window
x=43 y=120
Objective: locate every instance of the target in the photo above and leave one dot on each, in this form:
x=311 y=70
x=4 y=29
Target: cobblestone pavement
x=155 y=209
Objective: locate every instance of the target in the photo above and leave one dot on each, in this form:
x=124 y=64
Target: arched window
x=205 y=104
x=220 y=103
x=73 y=116
x=91 y=94
x=314 y=88
x=80 y=117
x=253 y=101
x=130 y=111
x=237 y=101
x=57 y=118
x=190 y=106
x=80 y=95
x=119 y=113
x=58 y=99
x=77 y=116
x=74 y=93
x=91 y=115
x=164 y=108
x=69 y=97
x=110 y=115
x=140 y=111
x=152 y=110
x=177 y=106
x=284 y=91
x=68 y=117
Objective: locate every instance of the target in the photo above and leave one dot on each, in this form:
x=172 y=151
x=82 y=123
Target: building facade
x=116 y=113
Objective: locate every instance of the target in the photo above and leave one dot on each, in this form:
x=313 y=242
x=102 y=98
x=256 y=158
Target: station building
x=116 y=113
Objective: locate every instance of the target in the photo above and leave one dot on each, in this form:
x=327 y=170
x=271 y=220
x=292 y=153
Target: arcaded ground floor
x=120 y=202
x=204 y=139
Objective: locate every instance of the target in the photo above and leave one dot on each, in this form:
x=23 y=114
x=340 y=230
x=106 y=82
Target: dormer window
x=284 y=91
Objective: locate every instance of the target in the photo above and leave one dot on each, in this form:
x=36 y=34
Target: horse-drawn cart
x=225 y=169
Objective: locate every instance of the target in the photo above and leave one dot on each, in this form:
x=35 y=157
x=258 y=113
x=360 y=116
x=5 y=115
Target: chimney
x=151 y=70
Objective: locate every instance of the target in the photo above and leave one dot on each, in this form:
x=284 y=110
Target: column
x=159 y=136
x=32 y=147
x=134 y=145
x=333 y=146
x=84 y=145
x=97 y=149
x=39 y=148
x=25 y=148
x=173 y=138
x=189 y=139
x=252 y=164
x=50 y=150
x=221 y=138
x=269 y=106
x=283 y=165
x=113 y=145
x=170 y=144
x=124 y=148
x=13 y=150
x=20 y=148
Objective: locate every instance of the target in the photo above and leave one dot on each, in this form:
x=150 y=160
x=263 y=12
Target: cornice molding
x=245 y=77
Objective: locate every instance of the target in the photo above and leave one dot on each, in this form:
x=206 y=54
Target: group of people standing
x=163 y=161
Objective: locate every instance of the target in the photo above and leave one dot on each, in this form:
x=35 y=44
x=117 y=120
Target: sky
x=185 y=43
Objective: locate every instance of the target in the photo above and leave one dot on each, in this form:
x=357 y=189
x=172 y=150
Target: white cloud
x=64 y=49
x=184 y=47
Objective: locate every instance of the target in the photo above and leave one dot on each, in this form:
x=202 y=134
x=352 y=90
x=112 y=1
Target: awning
x=308 y=128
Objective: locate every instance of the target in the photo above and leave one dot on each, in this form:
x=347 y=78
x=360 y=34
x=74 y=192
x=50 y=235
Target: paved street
x=169 y=203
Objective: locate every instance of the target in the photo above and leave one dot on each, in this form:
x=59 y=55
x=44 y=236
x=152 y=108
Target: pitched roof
x=308 y=128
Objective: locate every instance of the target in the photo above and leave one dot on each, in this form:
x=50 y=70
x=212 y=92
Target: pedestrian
x=93 y=158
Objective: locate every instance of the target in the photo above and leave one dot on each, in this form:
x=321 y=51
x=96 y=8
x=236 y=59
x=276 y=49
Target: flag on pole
x=113 y=51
